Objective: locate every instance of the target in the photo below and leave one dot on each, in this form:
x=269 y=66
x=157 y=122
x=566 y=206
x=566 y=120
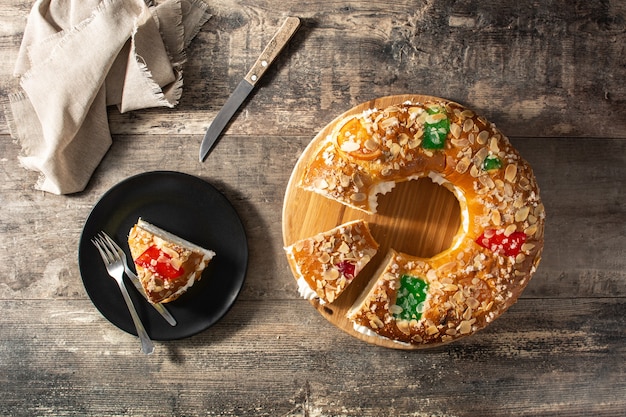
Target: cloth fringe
x=80 y=134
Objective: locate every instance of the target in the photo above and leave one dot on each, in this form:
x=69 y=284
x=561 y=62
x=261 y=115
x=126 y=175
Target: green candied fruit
x=492 y=162
x=435 y=133
x=411 y=297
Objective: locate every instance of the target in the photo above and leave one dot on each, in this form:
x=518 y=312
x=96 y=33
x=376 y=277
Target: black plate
x=188 y=207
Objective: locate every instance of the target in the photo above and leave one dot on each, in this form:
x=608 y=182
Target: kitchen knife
x=246 y=85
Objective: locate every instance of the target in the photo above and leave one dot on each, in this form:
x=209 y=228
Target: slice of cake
x=430 y=301
x=325 y=264
x=166 y=264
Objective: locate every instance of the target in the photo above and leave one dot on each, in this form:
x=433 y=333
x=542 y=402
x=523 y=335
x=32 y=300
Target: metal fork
x=135 y=280
x=115 y=268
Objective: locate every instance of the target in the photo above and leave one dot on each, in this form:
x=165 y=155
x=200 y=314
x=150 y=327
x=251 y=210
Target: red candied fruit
x=347 y=269
x=496 y=241
x=158 y=261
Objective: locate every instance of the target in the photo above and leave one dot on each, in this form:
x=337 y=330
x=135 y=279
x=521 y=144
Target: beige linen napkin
x=79 y=56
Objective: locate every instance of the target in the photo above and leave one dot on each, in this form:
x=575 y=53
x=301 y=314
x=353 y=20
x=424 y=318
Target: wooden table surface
x=551 y=75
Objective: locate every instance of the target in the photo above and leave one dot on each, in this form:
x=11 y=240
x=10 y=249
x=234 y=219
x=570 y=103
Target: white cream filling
x=306 y=291
x=177 y=240
x=379 y=189
x=188 y=285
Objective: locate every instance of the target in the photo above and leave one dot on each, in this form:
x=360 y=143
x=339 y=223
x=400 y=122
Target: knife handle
x=271 y=51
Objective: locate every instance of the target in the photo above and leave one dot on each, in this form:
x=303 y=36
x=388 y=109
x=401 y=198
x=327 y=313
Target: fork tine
x=111 y=253
x=97 y=244
x=111 y=242
x=114 y=247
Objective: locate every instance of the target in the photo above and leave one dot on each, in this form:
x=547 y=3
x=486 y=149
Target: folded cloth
x=79 y=56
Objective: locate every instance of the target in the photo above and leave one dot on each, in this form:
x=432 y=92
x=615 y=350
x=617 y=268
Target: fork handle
x=158 y=306
x=147 y=346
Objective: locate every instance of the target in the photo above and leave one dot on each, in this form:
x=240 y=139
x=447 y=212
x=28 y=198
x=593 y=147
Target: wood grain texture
x=549 y=74
x=247 y=365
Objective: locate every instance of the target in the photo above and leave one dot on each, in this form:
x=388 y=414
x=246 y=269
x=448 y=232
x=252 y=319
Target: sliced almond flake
x=396 y=309
x=460 y=143
x=376 y=323
x=493 y=145
x=467 y=113
x=456 y=130
x=434 y=118
x=522 y=214
x=468 y=125
x=463 y=165
x=472 y=303
x=482 y=137
x=371 y=144
x=343 y=248
x=510 y=229
x=495 y=218
x=320 y=184
x=358 y=197
x=531 y=230
x=324 y=258
x=510 y=172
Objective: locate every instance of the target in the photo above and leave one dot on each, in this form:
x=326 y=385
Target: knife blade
x=236 y=99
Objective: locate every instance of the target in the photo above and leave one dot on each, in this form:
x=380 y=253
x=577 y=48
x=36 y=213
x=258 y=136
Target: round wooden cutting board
x=417 y=217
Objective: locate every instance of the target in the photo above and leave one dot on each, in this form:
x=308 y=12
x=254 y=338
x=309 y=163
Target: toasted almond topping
x=343 y=248
x=465 y=327
x=403 y=326
x=358 y=197
x=376 y=323
x=456 y=130
x=344 y=180
x=331 y=274
x=432 y=330
x=467 y=113
x=495 y=218
x=324 y=258
x=493 y=145
x=320 y=184
x=396 y=309
x=463 y=165
x=482 y=137
x=531 y=230
x=468 y=125
x=510 y=172
x=522 y=214
x=434 y=118
x=510 y=229
x=357 y=180
x=472 y=303
x=371 y=144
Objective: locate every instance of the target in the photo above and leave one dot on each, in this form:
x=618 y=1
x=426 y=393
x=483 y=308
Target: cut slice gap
x=419 y=218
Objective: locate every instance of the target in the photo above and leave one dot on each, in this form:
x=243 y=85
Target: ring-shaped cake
x=409 y=297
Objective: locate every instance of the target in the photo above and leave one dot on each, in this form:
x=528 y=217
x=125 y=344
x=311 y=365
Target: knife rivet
x=264 y=63
x=254 y=77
